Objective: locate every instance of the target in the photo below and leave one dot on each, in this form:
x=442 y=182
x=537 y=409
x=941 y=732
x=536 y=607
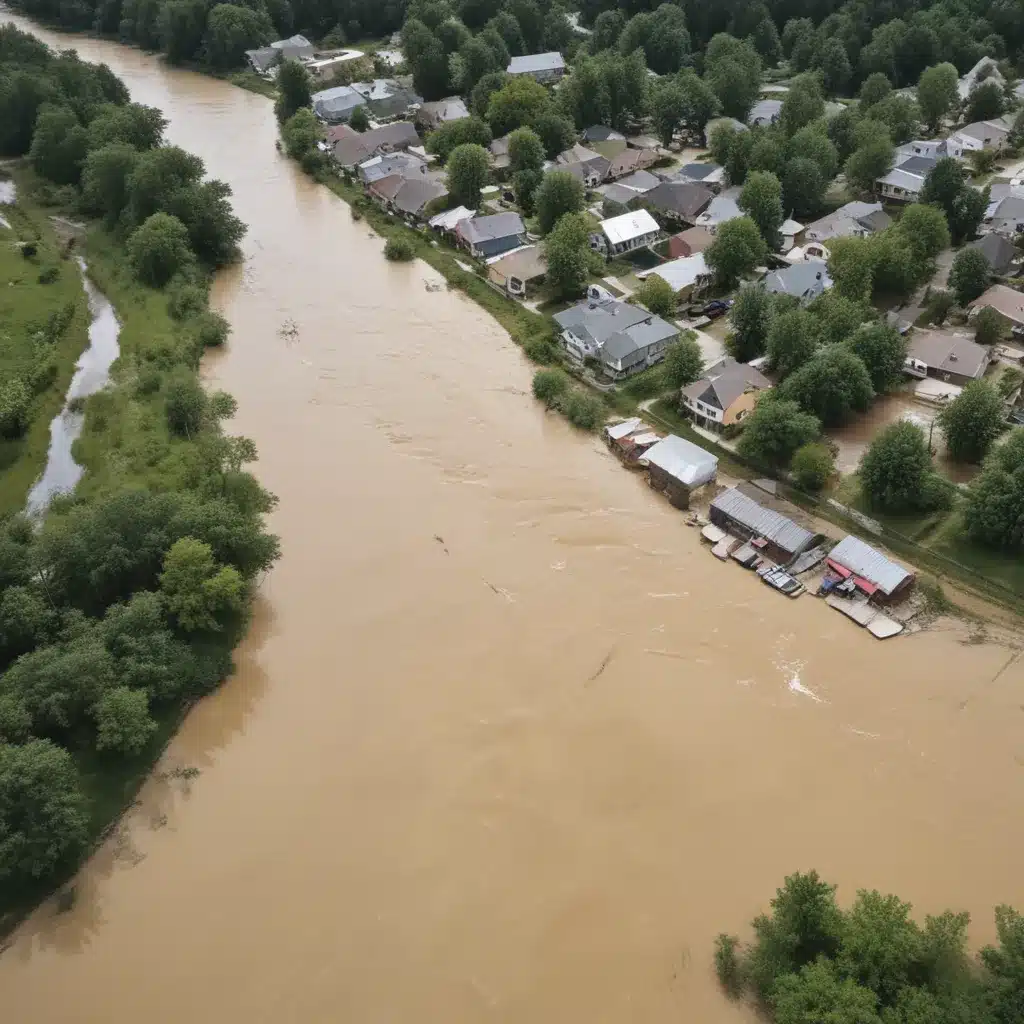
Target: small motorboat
x=781 y=581
x=713 y=534
x=724 y=548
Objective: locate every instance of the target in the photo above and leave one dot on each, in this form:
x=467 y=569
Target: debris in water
x=500 y=590
x=289 y=330
x=432 y=286
x=603 y=665
x=797 y=687
x=440 y=540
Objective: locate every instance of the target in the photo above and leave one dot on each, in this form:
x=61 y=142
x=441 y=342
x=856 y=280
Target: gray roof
x=1011 y=208
x=682 y=459
x=763 y=522
x=620 y=328
x=640 y=181
x=724 y=382
x=498 y=225
x=850 y=219
x=905 y=180
x=952 y=353
x=721 y=208
x=799 y=278
x=602 y=133
x=864 y=561
x=685 y=198
x=617 y=193
x=997 y=249
x=415 y=194
x=354 y=149
x=264 y=58
x=917 y=164
x=451 y=109
x=764 y=110
x=338 y=103
x=405 y=164
x=551 y=61
x=697 y=172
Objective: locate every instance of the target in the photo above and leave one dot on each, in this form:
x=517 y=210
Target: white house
x=684 y=276
x=981 y=135
x=630 y=231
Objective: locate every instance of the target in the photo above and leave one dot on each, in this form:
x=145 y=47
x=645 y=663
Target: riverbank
x=44 y=319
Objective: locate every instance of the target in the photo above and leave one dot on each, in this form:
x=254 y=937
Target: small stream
x=92 y=372
x=8 y=193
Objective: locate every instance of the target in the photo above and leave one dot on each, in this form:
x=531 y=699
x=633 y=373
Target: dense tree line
x=128 y=600
x=810 y=960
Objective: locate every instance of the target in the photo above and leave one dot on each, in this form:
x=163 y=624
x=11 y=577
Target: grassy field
x=26 y=306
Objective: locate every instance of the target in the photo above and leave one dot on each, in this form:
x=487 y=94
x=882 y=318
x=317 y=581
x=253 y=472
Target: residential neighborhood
x=881 y=296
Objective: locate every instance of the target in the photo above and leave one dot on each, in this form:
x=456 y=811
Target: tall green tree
x=525 y=151
x=833 y=384
x=158 y=249
x=750 y=319
x=468 y=171
x=973 y=421
x=761 y=200
x=895 y=469
x=567 y=250
x=775 y=430
x=969 y=275
x=882 y=350
x=937 y=93
x=293 y=90
x=792 y=340
x=59 y=145
x=231 y=30
x=736 y=250
x=199 y=593
x=559 y=193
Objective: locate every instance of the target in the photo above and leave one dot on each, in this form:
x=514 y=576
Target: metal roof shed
x=682 y=460
x=862 y=560
x=783 y=534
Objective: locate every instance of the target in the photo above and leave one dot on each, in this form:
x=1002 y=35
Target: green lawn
x=26 y=306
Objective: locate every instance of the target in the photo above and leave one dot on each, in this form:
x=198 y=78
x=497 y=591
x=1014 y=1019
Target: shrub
x=14 y=403
x=211 y=330
x=812 y=466
x=728 y=966
x=549 y=386
x=184 y=298
x=159 y=249
x=49 y=275
x=400 y=249
x=359 y=120
x=583 y=410
x=540 y=349
x=989 y=327
x=938 y=307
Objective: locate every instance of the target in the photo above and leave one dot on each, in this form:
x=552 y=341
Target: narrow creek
x=504 y=743
x=92 y=371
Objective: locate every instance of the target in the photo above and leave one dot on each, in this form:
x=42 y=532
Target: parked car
x=716 y=308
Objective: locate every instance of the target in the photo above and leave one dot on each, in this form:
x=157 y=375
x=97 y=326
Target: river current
x=504 y=742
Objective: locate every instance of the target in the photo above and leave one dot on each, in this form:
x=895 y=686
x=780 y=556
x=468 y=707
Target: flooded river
x=504 y=744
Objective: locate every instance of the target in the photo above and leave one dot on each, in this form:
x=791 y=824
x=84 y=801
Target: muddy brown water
x=505 y=743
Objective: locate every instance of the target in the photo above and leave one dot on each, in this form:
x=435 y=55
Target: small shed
x=741 y=515
x=878 y=576
x=677 y=467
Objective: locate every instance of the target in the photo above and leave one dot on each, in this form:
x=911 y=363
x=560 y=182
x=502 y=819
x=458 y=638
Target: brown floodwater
x=504 y=743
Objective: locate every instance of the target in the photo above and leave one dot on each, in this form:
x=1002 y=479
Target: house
x=409 y=196
x=985 y=70
x=631 y=439
x=453 y=108
x=629 y=231
x=710 y=174
x=335 y=105
x=677 y=467
x=594 y=167
x=602 y=133
x=643 y=142
x=265 y=58
x=514 y=270
x=738 y=511
x=684 y=276
x=789 y=230
x=998 y=250
x=386 y=98
x=854 y=220
x=725 y=394
x=623 y=337
x=1008 y=216
x=1005 y=301
x=905 y=182
x=680 y=201
x=804 y=281
x=721 y=208
x=628 y=161
x=617 y=194
x=352 y=148
x=981 y=135
x=448 y=220
x=953 y=358
x=541 y=67
x=809 y=251
x=764 y=113
x=491 y=235
x=408 y=165
x=639 y=181
x=689 y=242
x=873 y=573
x=932 y=149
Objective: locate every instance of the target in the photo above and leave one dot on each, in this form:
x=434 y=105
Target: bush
x=400 y=249
x=812 y=466
x=728 y=966
x=14 y=403
x=989 y=327
x=184 y=298
x=541 y=349
x=49 y=275
x=583 y=410
x=895 y=470
x=159 y=249
x=211 y=330
x=549 y=386
x=938 y=307
x=359 y=119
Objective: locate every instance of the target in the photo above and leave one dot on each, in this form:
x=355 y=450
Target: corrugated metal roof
x=683 y=460
x=863 y=560
x=625 y=428
x=765 y=522
x=550 y=61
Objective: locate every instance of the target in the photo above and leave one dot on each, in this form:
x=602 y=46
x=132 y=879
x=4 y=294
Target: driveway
x=939 y=282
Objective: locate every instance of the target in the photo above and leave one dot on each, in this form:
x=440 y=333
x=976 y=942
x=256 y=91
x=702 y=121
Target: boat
x=724 y=548
x=713 y=534
x=747 y=556
x=781 y=581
